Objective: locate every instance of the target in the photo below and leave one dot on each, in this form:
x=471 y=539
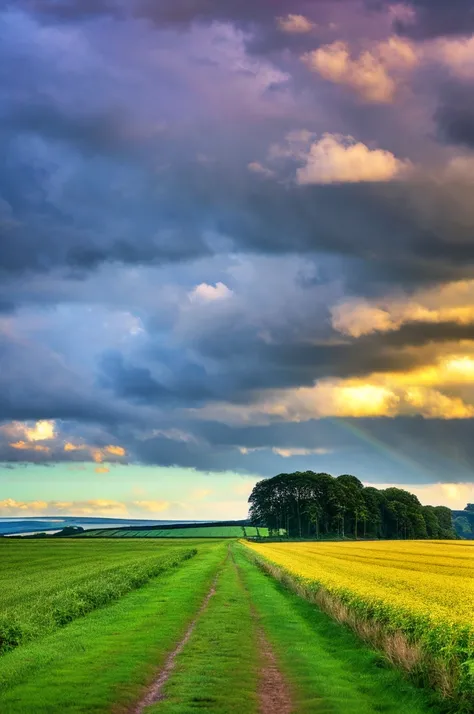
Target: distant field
x=424 y=589
x=197 y=532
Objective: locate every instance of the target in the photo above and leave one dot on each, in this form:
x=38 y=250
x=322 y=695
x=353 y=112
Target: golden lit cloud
x=42 y=431
x=443 y=389
x=452 y=302
x=105 y=507
x=373 y=74
x=26 y=437
x=115 y=450
x=152 y=506
x=340 y=159
x=25 y=446
x=97 y=454
x=9 y=506
x=102 y=470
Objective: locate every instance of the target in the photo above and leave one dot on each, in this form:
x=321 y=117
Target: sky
x=236 y=240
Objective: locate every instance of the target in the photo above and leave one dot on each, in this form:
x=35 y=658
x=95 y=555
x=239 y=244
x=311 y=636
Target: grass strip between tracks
x=217 y=671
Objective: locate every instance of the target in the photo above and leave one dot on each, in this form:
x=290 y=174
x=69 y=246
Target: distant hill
x=50 y=524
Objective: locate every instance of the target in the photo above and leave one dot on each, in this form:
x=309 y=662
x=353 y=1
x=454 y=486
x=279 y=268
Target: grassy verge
x=217 y=671
x=103 y=662
x=18 y=626
x=328 y=668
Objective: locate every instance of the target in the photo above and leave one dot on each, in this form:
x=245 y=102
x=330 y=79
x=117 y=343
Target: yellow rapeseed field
x=434 y=579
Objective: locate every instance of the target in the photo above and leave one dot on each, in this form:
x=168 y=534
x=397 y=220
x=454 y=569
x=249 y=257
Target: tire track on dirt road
x=273 y=691
x=154 y=692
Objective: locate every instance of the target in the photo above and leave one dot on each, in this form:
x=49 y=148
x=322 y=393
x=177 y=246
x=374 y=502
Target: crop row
x=198 y=532
x=413 y=600
x=38 y=616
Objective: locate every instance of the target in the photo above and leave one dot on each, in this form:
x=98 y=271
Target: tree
x=445 y=520
x=307 y=504
x=431 y=521
x=353 y=497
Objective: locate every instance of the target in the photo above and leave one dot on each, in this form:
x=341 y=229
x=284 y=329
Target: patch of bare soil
x=273 y=691
x=155 y=691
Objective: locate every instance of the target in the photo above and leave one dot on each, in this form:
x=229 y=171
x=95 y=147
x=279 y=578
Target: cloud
x=10 y=506
x=23 y=445
x=337 y=159
x=210 y=293
x=288 y=453
x=106 y=507
x=152 y=506
x=295 y=24
x=456 y=54
x=372 y=75
x=161 y=269
x=70 y=10
x=257 y=168
x=449 y=303
x=433 y=18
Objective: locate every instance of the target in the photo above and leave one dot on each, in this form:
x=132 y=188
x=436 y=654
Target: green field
x=102 y=619
x=196 y=532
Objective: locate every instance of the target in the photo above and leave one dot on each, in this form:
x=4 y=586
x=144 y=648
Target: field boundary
x=442 y=675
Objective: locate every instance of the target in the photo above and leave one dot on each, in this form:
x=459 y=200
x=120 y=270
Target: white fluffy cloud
x=210 y=293
x=338 y=159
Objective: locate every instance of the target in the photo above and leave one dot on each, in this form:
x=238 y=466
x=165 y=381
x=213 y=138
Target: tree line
x=307 y=505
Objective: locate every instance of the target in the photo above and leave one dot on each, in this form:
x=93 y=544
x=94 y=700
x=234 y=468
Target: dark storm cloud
x=455 y=114
x=243 y=365
x=35 y=384
x=81 y=187
x=435 y=18
x=90 y=134
x=183 y=12
x=415 y=449
x=67 y=10
x=127 y=144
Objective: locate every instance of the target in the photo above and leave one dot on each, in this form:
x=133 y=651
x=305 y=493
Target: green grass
x=328 y=668
x=45 y=585
x=197 y=532
x=103 y=662
x=217 y=671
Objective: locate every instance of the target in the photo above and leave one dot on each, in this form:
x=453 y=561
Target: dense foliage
x=308 y=504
